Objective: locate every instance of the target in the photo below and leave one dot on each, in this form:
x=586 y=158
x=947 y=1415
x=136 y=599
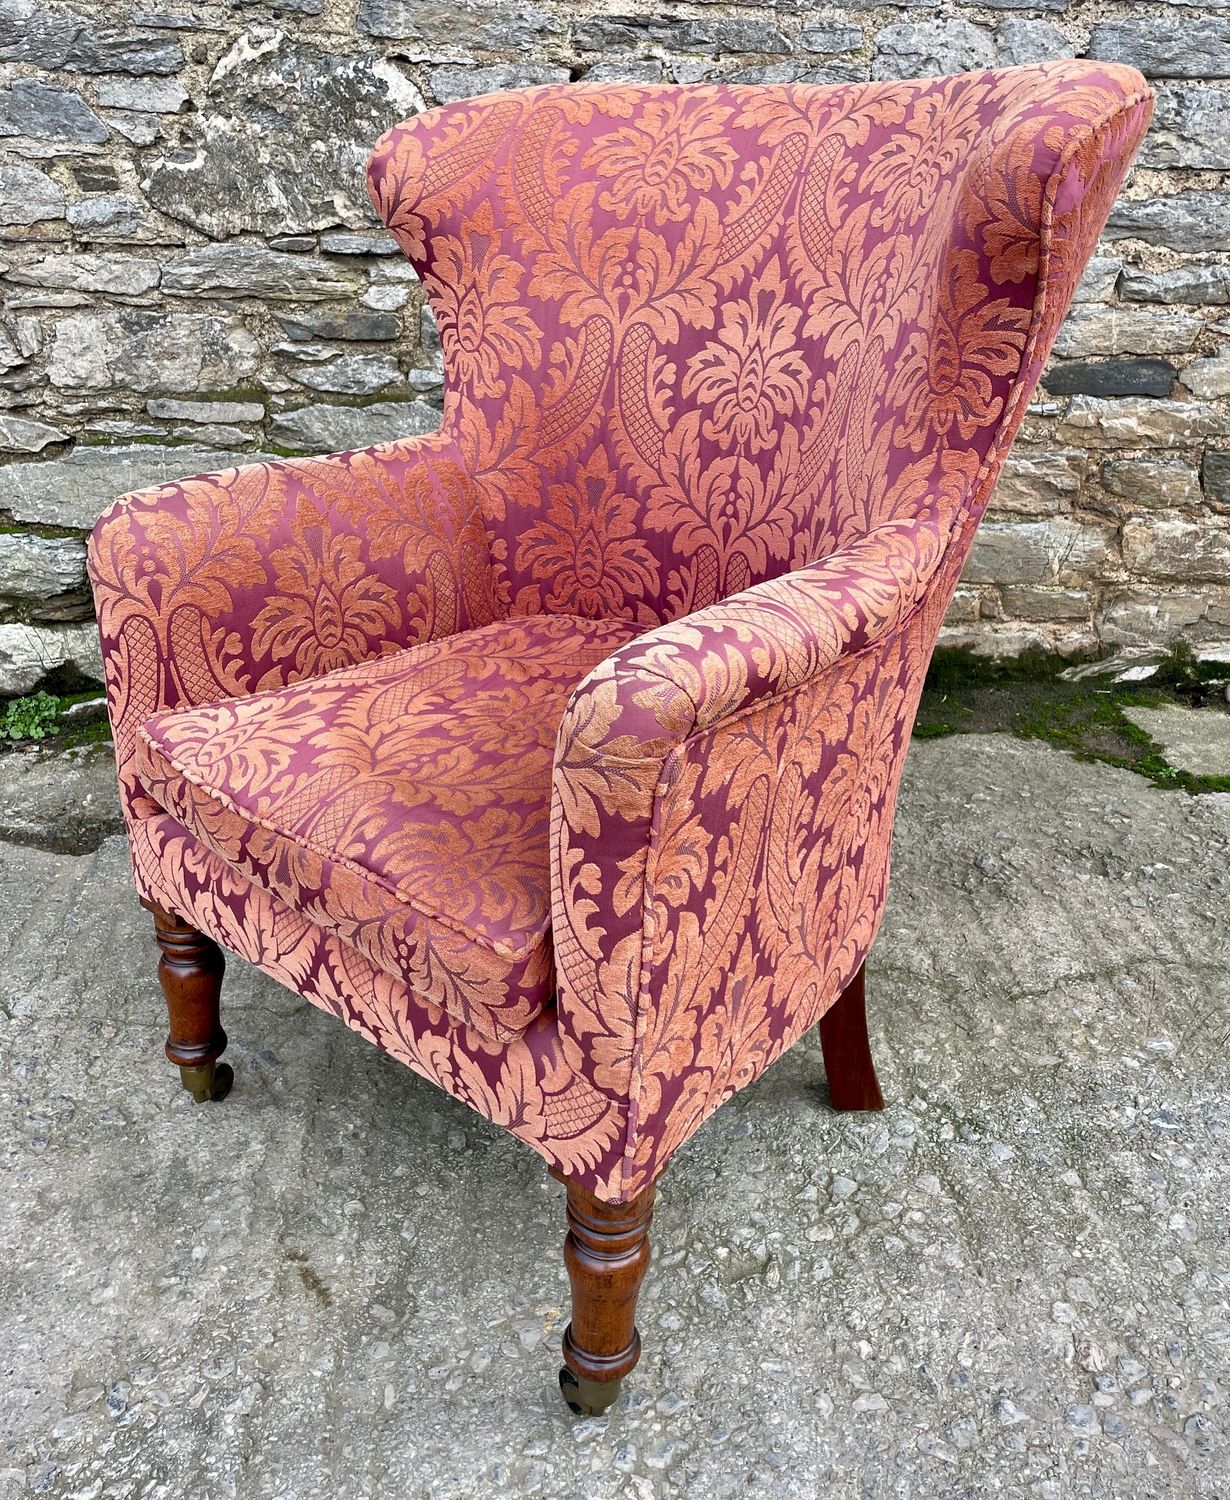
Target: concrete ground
x=339 y=1284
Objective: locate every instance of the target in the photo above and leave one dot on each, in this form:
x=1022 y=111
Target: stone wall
x=192 y=275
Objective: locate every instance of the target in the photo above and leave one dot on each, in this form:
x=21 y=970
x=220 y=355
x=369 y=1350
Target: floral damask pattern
x=401 y=804
x=731 y=372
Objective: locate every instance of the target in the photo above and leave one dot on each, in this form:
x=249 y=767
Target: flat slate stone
x=1216 y=475
x=1196 y=740
x=20 y=434
x=29 y=652
x=1166 y=47
x=45 y=112
x=253 y=271
x=1194 y=220
x=344 y=324
x=1111 y=377
x=74 y=491
x=324 y=428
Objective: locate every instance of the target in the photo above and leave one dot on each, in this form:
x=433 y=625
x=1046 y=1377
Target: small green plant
x=32 y=718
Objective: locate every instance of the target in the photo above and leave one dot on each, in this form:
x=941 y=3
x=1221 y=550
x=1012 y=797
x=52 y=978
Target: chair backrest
x=697 y=336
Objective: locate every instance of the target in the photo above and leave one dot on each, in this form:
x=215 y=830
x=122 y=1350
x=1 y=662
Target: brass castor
x=587 y=1398
x=210 y=1082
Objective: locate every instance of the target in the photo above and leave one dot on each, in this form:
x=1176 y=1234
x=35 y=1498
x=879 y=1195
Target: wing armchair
x=556 y=752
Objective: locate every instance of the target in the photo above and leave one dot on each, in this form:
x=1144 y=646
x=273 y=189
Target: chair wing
x=694 y=337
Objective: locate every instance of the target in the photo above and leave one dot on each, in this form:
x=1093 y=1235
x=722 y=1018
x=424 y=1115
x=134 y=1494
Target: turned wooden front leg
x=847 y=1052
x=607 y=1254
x=190 y=971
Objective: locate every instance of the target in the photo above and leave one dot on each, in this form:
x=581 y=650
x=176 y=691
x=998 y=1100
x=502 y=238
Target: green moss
x=965 y=694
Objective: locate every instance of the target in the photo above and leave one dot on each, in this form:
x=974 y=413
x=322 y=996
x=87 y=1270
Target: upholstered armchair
x=556 y=753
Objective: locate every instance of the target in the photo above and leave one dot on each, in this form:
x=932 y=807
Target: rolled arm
x=679 y=780
x=257 y=576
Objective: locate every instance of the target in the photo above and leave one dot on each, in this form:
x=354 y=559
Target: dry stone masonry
x=192 y=276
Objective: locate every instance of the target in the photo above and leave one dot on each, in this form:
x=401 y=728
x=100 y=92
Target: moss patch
x=966 y=694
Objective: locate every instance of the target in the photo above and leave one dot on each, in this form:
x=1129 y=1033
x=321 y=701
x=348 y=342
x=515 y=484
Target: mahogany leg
x=847 y=1052
x=190 y=972
x=607 y=1254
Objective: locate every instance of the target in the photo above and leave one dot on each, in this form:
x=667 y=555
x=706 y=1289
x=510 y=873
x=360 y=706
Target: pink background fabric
x=731 y=372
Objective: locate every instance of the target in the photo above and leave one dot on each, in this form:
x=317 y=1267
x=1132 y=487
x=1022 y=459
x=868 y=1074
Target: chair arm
x=667 y=764
x=255 y=577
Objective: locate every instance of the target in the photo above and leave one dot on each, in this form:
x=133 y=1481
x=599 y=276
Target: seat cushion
x=401 y=804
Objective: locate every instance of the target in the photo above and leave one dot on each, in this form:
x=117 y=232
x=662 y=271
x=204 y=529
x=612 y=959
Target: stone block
x=1196 y=220
x=1215 y=471
x=1098 y=279
x=28 y=653
x=166 y=96
x=1111 y=377
x=920 y=49
x=30 y=33
x=1209 y=378
x=108 y=349
x=1152 y=482
x=1093 y=328
x=1134 y=617
x=1200 y=286
x=114 y=275
x=122 y=49
x=1176 y=549
x=1164 y=47
x=27 y=435
x=831 y=36
x=351 y=374
x=716 y=35
x=1138 y=422
x=1036 y=483
x=46 y=112
x=253 y=271
x=1191 y=128
x=245 y=165
x=28 y=195
x=115 y=219
x=39 y=567
x=452 y=83
x=74 y=491
x=1031 y=602
x=347 y=242
x=337 y=429
x=1030 y=41
x=1057 y=550
x=435 y=30
x=344 y=323
x=169 y=409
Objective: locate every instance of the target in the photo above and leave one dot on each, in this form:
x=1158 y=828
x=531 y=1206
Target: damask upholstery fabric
x=401 y=804
x=524 y=1086
x=739 y=367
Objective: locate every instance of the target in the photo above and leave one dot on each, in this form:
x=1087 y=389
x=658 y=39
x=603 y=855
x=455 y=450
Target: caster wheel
x=587 y=1398
x=210 y=1083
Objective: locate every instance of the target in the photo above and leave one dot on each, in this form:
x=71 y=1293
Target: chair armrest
x=255 y=577
x=668 y=766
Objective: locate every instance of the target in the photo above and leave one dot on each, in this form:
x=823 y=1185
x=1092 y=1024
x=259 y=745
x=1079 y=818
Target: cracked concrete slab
x=341 y=1284
x=1192 y=739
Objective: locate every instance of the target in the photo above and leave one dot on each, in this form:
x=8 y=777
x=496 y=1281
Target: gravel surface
x=339 y=1284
